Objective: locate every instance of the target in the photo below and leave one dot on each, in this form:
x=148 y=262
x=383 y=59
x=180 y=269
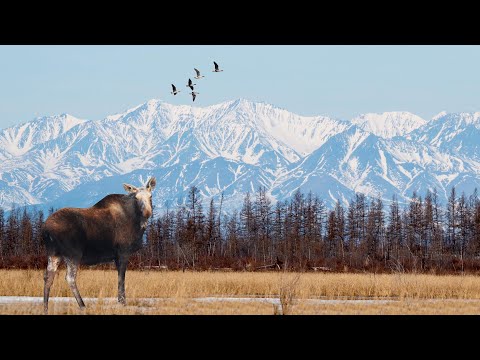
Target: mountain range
x=235 y=147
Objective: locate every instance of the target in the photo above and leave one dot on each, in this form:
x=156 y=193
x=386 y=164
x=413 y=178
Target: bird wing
x=189 y=82
x=174 y=88
x=198 y=72
x=194 y=96
x=216 y=65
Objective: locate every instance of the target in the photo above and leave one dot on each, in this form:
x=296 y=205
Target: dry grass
x=141 y=284
x=287 y=293
x=162 y=307
x=192 y=307
x=452 y=294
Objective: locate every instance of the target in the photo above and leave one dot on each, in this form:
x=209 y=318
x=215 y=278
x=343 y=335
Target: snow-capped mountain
x=389 y=124
x=235 y=147
x=457 y=133
x=19 y=139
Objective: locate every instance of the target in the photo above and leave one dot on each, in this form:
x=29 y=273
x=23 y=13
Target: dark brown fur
x=111 y=230
x=98 y=234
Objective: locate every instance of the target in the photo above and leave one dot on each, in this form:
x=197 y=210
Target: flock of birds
x=191 y=84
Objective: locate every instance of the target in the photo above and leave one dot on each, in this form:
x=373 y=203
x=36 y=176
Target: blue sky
x=341 y=81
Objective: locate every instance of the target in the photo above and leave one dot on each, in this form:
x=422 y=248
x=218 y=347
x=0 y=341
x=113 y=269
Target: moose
x=110 y=230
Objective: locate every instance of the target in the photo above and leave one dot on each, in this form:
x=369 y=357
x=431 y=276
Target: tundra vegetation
x=256 y=292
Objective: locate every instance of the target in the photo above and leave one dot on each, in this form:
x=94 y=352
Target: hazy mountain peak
x=150 y=104
x=439 y=115
x=389 y=124
x=19 y=139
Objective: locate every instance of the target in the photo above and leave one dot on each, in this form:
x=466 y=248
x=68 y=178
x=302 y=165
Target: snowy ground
x=37 y=299
x=219 y=305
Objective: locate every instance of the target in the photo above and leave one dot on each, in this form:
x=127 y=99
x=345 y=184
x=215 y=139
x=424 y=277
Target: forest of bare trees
x=296 y=234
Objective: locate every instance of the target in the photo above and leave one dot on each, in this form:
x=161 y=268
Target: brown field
x=299 y=293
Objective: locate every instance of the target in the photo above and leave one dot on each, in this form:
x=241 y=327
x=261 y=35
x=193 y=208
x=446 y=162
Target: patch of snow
x=389 y=124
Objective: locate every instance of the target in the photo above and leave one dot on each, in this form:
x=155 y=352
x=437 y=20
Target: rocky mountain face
x=235 y=147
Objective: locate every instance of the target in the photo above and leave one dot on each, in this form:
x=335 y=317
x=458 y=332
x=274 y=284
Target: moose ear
x=130 y=188
x=151 y=184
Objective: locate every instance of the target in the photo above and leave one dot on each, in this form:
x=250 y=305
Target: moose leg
x=121 y=263
x=71 y=278
x=53 y=262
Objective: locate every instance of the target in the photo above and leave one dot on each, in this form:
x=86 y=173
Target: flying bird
x=216 y=67
x=190 y=84
x=198 y=74
x=175 y=91
x=194 y=95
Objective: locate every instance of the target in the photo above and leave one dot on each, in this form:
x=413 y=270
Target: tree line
x=300 y=233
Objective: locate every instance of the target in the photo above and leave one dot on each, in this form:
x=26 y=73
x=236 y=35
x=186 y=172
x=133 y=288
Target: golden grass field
x=181 y=293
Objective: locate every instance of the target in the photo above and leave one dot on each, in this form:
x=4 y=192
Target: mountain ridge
x=243 y=144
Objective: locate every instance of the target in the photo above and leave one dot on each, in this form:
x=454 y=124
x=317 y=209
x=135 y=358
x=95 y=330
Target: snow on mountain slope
x=362 y=162
x=354 y=159
x=389 y=124
x=211 y=177
x=10 y=195
x=19 y=139
x=301 y=133
x=240 y=130
x=457 y=133
x=153 y=134
x=235 y=147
